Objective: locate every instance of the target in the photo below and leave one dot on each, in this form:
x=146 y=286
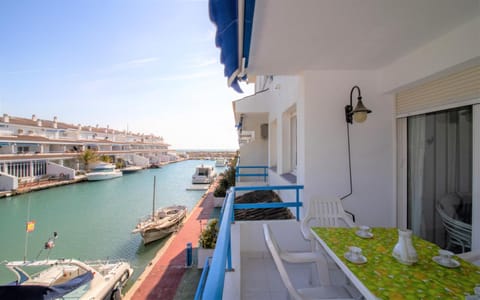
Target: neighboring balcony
x=241 y=267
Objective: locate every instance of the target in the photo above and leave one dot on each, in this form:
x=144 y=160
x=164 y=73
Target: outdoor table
x=383 y=277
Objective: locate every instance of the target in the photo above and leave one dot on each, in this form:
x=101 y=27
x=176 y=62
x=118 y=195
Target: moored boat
x=164 y=222
x=203 y=174
x=103 y=171
x=66 y=279
x=131 y=169
x=161 y=222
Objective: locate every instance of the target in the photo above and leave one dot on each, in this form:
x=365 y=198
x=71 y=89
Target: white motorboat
x=103 y=171
x=161 y=222
x=131 y=169
x=66 y=279
x=203 y=174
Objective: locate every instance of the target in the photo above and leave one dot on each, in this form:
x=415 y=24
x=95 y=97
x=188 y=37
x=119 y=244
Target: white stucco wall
x=57 y=170
x=256 y=152
x=8 y=182
x=287 y=91
x=325 y=148
x=320 y=97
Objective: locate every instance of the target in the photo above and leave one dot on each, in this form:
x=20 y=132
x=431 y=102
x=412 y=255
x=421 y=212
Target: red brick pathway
x=165 y=276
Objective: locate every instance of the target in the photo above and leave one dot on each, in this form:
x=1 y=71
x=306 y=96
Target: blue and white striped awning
x=234 y=21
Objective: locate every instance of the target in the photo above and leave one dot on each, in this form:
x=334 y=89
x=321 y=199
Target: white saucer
x=451 y=264
x=360 y=260
x=364 y=235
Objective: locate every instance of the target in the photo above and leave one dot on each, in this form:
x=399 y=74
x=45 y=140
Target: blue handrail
x=201 y=283
x=264 y=174
x=222 y=255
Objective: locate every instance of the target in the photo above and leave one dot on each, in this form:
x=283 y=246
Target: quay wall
x=8 y=182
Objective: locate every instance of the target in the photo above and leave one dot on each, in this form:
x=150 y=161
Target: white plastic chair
x=324 y=213
x=322 y=292
x=458 y=232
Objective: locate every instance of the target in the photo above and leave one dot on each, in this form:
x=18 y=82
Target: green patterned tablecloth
x=386 y=278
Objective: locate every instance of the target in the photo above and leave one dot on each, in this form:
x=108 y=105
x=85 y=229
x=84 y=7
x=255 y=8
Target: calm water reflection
x=94 y=219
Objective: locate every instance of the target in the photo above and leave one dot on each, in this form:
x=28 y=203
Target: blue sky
x=149 y=65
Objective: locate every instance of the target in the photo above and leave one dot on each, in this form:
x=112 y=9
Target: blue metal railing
x=201 y=283
x=297 y=204
x=222 y=255
x=263 y=174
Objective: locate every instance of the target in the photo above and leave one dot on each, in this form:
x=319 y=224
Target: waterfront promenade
x=162 y=277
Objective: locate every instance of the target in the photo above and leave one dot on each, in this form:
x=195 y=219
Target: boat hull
x=131 y=169
x=155 y=235
x=202 y=180
x=96 y=176
x=166 y=221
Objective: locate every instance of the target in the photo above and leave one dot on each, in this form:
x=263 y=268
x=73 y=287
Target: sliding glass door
x=439 y=177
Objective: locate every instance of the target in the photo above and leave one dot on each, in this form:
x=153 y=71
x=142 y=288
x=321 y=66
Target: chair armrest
x=349 y=221
x=350 y=215
x=301 y=257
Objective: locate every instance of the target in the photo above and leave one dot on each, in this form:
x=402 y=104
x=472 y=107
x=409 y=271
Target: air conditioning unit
x=264 y=131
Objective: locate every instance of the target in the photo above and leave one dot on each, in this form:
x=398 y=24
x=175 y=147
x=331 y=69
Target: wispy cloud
x=205 y=63
x=185 y=76
x=135 y=63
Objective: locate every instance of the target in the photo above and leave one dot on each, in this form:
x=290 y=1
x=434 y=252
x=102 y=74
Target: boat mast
x=26 y=232
x=153 y=208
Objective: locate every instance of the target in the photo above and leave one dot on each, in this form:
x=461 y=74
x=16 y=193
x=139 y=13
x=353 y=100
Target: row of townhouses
x=31 y=148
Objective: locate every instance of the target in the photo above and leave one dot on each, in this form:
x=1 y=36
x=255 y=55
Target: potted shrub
x=220 y=192
x=207 y=242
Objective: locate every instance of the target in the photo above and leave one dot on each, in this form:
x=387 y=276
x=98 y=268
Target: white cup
x=365 y=230
x=445 y=256
x=355 y=252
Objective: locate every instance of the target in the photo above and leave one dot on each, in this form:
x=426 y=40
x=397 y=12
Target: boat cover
x=10 y=292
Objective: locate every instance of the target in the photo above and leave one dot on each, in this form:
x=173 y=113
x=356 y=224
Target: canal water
x=94 y=220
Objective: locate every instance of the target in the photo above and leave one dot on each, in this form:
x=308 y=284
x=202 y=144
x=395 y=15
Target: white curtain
x=416 y=156
x=439 y=167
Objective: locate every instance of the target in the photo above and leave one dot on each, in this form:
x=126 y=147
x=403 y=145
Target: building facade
x=32 y=147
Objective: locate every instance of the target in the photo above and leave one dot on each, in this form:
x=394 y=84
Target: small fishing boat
x=161 y=222
x=65 y=278
x=203 y=174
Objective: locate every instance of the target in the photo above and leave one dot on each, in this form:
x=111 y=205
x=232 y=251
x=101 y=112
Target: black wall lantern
x=359 y=114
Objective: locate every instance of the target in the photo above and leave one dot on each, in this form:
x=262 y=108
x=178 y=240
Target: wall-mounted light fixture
x=239 y=126
x=360 y=112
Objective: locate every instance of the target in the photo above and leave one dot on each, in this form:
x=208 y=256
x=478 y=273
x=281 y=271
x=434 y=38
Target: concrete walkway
x=161 y=279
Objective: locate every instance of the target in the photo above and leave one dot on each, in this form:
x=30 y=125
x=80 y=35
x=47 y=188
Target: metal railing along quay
x=213 y=277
